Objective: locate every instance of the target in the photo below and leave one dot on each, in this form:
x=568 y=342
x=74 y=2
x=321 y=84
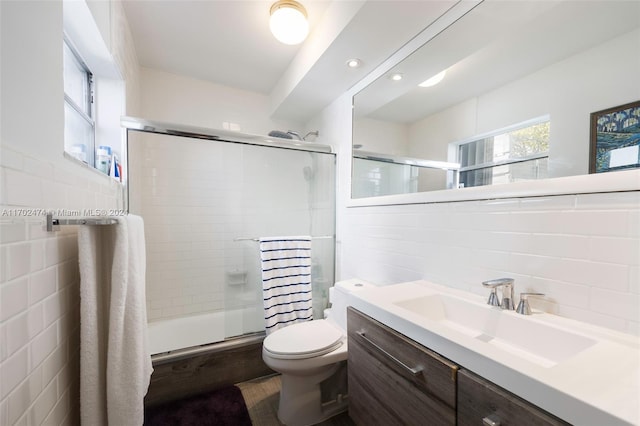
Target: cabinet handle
x=491 y=420
x=412 y=370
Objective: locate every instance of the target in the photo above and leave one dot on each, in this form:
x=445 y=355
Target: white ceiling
x=228 y=42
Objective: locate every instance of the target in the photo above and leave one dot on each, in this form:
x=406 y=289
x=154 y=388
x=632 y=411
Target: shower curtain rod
x=322 y=237
x=51 y=221
x=171 y=129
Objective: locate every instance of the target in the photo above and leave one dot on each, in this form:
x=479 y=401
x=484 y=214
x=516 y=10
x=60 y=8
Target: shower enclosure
x=206 y=197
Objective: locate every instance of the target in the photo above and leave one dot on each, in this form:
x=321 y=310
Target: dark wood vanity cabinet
x=396 y=381
x=393 y=380
x=481 y=402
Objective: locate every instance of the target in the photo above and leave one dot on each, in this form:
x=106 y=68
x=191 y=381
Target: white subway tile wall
x=582 y=251
x=39 y=287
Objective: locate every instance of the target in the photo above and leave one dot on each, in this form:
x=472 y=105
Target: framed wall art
x=615 y=138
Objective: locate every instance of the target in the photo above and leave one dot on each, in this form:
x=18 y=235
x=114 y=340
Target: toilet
x=308 y=353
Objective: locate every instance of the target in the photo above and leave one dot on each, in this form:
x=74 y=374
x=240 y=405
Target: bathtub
x=180 y=333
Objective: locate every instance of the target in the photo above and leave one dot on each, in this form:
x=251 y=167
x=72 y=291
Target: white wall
x=583 y=251
x=177 y=99
x=382 y=136
x=39 y=280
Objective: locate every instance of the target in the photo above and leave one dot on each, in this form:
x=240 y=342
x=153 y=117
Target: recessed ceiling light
x=354 y=63
x=396 y=76
x=433 y=80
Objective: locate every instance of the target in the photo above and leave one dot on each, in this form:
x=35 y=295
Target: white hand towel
x=115 y=361
x=286 y=280
x=94 y=291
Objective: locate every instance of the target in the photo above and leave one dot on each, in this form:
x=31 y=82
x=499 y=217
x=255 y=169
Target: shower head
x=289 y=134
x=296 y=134
x=279 y=134
x=316 y=133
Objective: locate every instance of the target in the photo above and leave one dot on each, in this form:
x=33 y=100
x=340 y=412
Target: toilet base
x=300 y=401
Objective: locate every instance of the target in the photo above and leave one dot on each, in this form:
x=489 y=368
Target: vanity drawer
x=480 y=399
x=394 y=380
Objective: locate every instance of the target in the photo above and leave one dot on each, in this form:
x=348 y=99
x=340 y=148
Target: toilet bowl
x=308 y=353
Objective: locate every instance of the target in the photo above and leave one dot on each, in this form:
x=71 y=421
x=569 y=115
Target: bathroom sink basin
x=523 y=336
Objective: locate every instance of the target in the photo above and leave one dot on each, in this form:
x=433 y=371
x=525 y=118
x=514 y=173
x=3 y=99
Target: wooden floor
x=262 y=395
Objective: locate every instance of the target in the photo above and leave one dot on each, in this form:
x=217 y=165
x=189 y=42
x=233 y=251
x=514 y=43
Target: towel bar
x=322 y=237
x=51 y=221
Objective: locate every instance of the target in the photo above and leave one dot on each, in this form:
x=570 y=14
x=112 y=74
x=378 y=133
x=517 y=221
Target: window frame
x=454 y=150
x=87 y=113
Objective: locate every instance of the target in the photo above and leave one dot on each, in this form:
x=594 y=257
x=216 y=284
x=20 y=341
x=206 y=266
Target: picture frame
x=615 y=139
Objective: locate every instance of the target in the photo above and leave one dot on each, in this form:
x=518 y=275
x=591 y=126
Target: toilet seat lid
x=304 y=339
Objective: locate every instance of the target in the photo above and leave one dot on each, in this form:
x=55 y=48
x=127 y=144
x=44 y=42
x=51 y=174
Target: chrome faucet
x=507 y=292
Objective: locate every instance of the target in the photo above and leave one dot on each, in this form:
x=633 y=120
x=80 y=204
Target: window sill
x=90 y=168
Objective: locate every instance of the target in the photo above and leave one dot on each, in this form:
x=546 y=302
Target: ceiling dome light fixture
x=433 y=80
x=396 y=76
x=288 y=22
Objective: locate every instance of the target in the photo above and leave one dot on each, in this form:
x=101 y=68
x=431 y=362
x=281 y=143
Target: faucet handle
x=493 y=297
x=523 y=307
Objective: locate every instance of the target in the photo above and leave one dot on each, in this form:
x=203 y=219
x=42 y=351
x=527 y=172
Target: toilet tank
x=339 y=297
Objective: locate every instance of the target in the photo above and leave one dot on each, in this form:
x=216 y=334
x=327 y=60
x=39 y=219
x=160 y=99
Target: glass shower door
x=284 y=193
x=204 y=202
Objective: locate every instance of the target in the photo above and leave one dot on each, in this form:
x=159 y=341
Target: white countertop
x=599 y=385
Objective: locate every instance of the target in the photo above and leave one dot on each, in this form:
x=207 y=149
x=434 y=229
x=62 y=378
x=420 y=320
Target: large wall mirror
x=503 y=94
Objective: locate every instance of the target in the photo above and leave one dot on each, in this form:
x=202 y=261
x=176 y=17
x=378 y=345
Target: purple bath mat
x=222 y=407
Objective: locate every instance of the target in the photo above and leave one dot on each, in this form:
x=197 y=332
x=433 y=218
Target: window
x=79 y=123
x=94 y=91
x=518 y=153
